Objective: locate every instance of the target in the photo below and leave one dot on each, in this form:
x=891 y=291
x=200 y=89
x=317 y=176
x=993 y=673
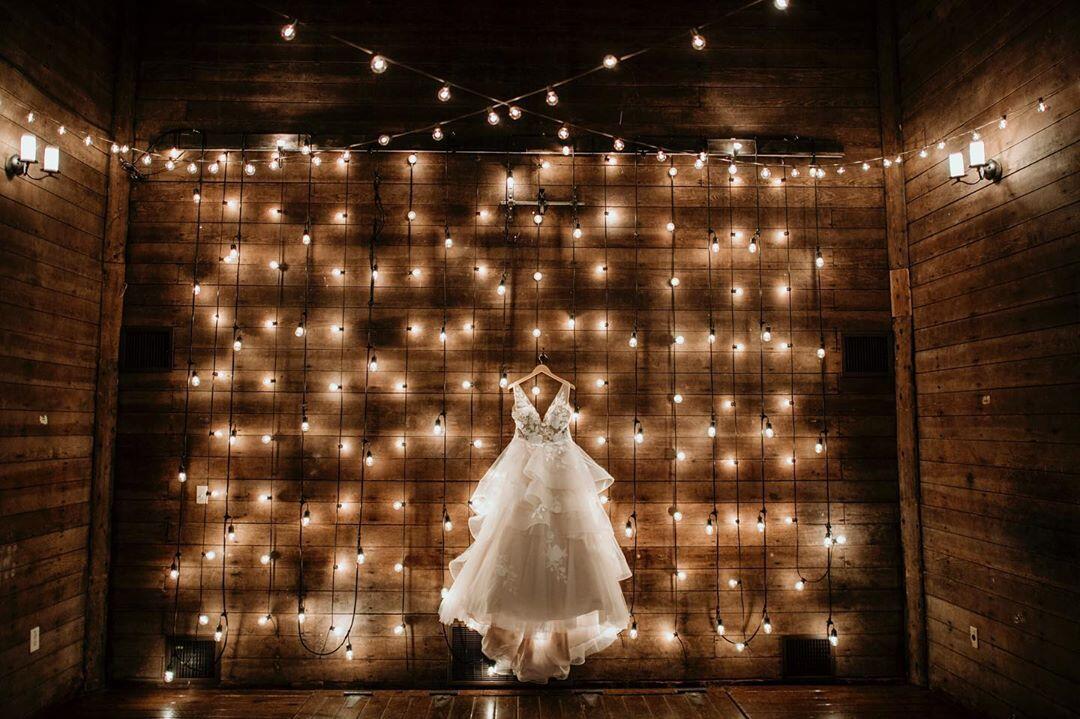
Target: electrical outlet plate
x=202 y=495
x=35 y=639
x=973 y=633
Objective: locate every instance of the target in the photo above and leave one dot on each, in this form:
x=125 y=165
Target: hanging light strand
x=714 y=513
x=631 y=523
x=304 y=508
x=677 y=572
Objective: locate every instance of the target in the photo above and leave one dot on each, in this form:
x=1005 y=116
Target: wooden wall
x=59 y=59
x=227 y=70
x=994 y=286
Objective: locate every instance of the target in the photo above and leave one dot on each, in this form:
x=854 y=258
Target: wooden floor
x=715 y=702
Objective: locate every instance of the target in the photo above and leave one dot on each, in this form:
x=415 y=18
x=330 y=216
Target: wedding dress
x=540 y=581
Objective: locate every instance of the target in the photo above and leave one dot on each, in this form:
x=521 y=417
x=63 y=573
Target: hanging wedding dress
x=540 y=581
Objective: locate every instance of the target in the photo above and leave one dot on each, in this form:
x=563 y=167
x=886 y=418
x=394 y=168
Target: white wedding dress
x=540 y=581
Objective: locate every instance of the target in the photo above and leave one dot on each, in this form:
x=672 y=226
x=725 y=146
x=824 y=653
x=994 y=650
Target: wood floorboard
x=715 y=702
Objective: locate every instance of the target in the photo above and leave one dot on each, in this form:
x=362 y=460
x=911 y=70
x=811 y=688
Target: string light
x=551 y=97
x=379 y=64
x=697 y=40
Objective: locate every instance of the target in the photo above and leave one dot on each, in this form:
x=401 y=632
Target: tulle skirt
x=540 y=581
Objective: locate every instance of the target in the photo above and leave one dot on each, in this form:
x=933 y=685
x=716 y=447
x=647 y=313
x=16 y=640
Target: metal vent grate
x=866 y=355
x=467 y=660
x=144 y=349
x=807 y=658
x=191 y=658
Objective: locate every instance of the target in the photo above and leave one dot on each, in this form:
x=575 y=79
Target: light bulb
x=181 y=474
x=264 y=559
x=301 y=616
x=360 y=556
x=399 y=629
x=753 y=246
x=733 y=582
x=768 y=431
x=697 y=40
x=680 y=574
x=210 y=554
x=538 y=275
x=501 y=289
x=563 y=132
x=672 y=171
x=369 y=459
x=299 y=331
x=466 y=384
x=399 y=567
x=1041 y=106
x=536 y=332
x=538 y=218
x=629 y=529
x=819 y=446
x=373 y=365
x=204 y=619
x=195 y=380
x=633 y=630
x=348 y=652
x=766 y=334
x=819 y=261
x=761 y=522
x=196 y=288
x=633 y=341
x=384 y=139
x=174 y=570
x=478 y=443
x=437 y=428
x=680 y=455
x=601 y=440
x=169 y=674
x=720 y=626
x=670 y=226
x=493 y=117
x=679 y=339
x=600 y=382
x=410 y=215
x=437 y=134
x=514 y=112
x=447 y=524
x=674 y=282
x=711 y=432
x=379 y=64
x=709 y=527
x=231 y=533
x=503 y=380
x=442 y=335
x=677 y=398
x=411 y=159
x=610 y=61
x=676 y=514
x=266 y=439
x=551 y=98
x=570 y=322
x=821 y=351
x=536 y=391
x=305 y=425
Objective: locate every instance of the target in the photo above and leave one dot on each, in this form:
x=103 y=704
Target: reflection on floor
x=712 y=702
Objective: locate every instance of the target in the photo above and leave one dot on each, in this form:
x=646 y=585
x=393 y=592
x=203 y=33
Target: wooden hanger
x=538 y=370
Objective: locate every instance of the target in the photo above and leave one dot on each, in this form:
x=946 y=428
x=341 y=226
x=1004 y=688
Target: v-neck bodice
x=554 y=424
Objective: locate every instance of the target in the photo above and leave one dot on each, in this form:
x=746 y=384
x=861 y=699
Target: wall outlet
x=973 y=634
x=35 y=639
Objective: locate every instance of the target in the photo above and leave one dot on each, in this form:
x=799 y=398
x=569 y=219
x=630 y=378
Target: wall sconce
x=987 y=169
x=19 y=163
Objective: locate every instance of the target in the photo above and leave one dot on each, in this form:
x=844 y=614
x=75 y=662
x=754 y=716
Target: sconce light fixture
x=19 y=163
x=987 y=169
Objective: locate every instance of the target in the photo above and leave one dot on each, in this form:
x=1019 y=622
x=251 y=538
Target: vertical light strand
x=508 y=268
x=675 y=397
x=444 y=520
x=228 y=529
x=472 y=323
x=574 y=236
x=400 y=627
x=274 y=444
x=536 y=277
x=766 y=430
x=829 y=540
x=607 y=331
x=638 y=429
x=714 y=514
x=341 y=390
x=208 y=554
x=182 y=471
x=303 y=332
x=736 y=581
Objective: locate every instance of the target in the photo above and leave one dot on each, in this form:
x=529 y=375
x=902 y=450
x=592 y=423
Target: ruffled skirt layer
x=541 y=580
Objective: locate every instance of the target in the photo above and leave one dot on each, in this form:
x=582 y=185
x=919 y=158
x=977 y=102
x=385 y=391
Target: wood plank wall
x=58 y=58
x=761 y=74
x=994 y=286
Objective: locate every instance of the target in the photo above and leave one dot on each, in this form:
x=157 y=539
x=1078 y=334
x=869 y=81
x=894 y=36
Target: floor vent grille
x=191 y=658
x=807 y=658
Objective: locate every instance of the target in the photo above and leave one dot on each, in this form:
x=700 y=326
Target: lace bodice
x=555 y=423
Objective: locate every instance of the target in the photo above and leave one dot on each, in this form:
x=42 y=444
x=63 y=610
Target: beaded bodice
x=554 y=425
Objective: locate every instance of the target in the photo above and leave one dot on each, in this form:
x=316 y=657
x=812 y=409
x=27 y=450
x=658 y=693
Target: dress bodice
x=553 y=427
